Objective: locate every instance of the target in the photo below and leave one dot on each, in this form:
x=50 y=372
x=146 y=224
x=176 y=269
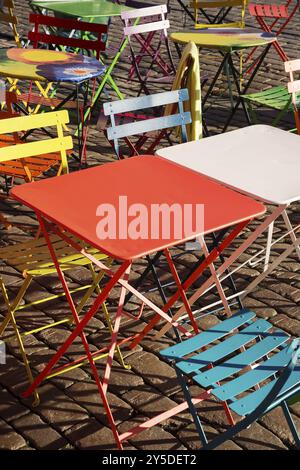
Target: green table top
x=82 y=8
x=228 y=39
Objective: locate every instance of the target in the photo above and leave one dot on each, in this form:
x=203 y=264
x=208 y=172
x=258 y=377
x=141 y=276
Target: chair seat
x=33 y=258
x=276 y=98
x=245 y=353
x=36 y=166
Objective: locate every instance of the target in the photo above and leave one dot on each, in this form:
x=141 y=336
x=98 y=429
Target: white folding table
x=260 y=161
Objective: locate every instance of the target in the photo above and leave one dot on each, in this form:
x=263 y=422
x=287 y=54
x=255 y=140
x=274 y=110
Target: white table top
x=260 y=161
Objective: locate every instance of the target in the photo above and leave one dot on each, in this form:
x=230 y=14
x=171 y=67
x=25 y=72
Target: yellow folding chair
x=223 y=7
x=30 y=160
x=32 y=259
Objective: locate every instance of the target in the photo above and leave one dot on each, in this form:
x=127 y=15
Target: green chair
x=277 y=98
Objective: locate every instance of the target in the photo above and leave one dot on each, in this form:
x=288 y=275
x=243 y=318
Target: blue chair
x=220 y=359
x=135 y=124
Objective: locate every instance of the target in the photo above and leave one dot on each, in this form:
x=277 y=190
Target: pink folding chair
x=274 y=19
x=146 y=31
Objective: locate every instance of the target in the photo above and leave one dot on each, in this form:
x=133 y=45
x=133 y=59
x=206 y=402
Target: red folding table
x=69 y=205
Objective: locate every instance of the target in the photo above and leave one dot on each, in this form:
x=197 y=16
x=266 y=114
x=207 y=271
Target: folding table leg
x=227 y=263
x=192 y=278
x=291 y=232
x=272 y=266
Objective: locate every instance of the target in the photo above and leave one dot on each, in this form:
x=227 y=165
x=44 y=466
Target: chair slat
x=148 y=11
x=206 y=337
x=224 y=348
x=146 y=27
x=247 y=404
x=30 y=149
x=25 y=123
x=292 y=65
x=237 y=363
x=148 y=125
x=143 y=102
x=253 y=377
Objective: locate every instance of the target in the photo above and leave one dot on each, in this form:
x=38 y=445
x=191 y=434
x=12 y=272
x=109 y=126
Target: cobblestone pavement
x=70 y=415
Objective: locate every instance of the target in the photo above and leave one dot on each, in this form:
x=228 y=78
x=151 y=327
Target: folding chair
x=30 y=160
x=32 y=260
x=146 y=31
x=244 y=362
x=283 y=99
x=142 y=124
x=218 y=21
x=275 y=19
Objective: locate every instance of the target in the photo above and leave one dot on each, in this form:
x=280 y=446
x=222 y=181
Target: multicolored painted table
x=48 y=66
x=228 y=41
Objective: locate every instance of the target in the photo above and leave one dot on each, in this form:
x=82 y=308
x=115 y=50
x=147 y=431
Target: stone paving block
x=261 y=309
x=10 y=276
x=121 y=380
x=148 y=401
x=59 y=409
x=258 y=437
x=190 y=438
x=87 y=396
x=91 y=435
x=276 y=422
x=290 y=325
x=272 y=299
x=154 y=438
x=10 y=407
x=156 y=372
x=10 y=439
x=286 y=290
x=39 y=434
x=211 y=411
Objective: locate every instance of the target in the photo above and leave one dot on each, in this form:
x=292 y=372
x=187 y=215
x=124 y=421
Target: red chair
x=275 y=19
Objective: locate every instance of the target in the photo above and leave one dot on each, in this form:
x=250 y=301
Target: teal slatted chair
x=245 y=363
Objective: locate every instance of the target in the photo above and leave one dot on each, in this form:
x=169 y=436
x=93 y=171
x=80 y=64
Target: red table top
x=71 y=201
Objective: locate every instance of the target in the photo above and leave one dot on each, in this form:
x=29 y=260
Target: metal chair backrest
x=176 y=98
x=38 y=148
x=146 y=30
x=224 y=7
x=38 y=37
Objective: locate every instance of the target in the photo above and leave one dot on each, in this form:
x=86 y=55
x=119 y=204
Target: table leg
x=229 y=261
x=213 y=255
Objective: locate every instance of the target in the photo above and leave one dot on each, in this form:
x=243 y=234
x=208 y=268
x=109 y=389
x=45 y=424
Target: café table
x=259 y=161
x=41 y=65
x=99 y=11
x=228 y=41
x=64 y=211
